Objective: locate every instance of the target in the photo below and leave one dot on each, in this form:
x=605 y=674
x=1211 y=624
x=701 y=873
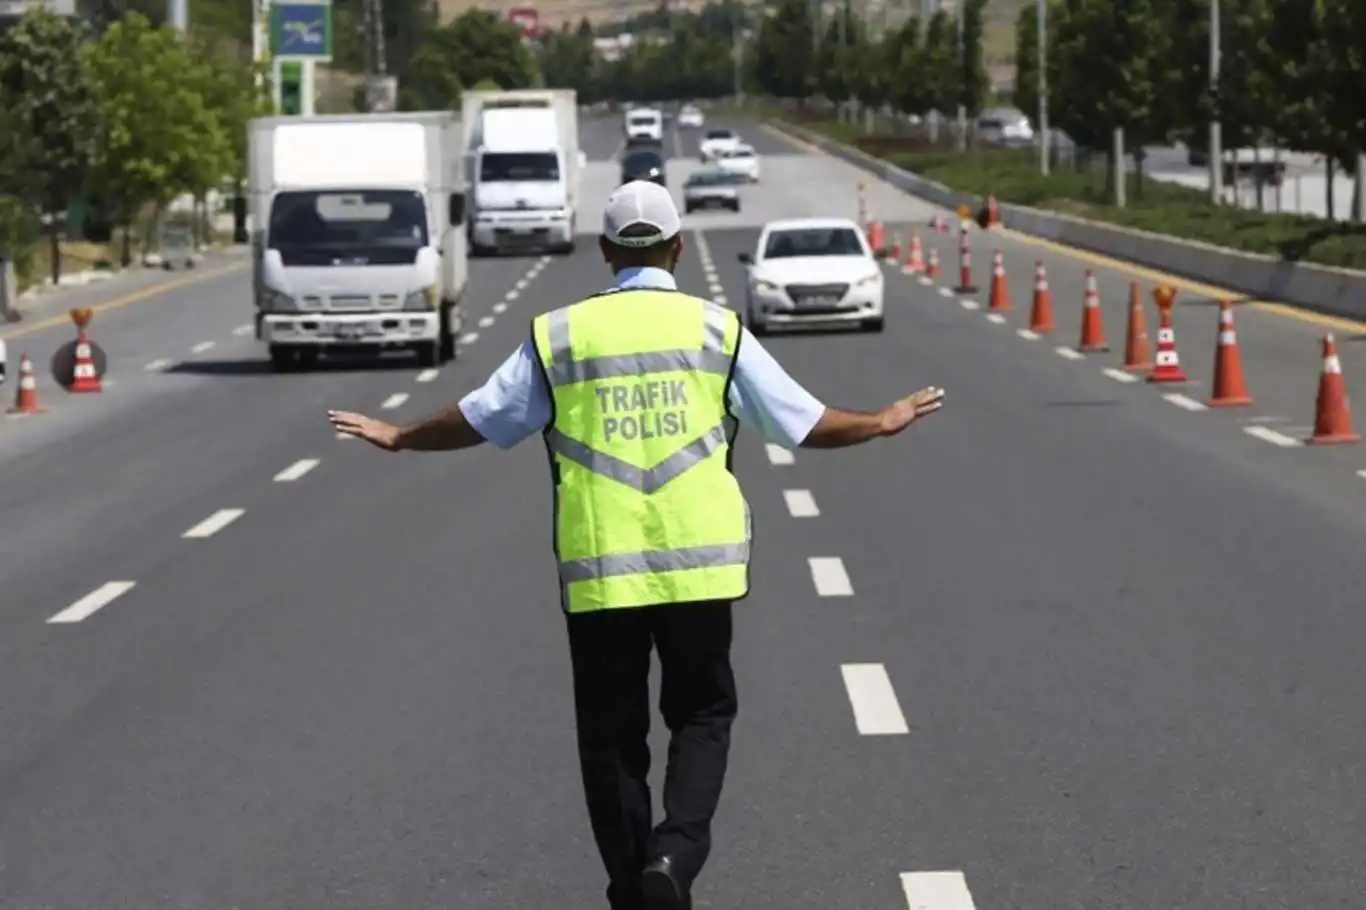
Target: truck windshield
x=518 y=166
x=348 y=227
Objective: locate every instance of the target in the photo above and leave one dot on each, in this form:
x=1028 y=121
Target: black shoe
x=661 y=886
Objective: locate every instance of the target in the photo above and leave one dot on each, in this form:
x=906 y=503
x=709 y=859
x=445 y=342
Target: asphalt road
x=1064 y=645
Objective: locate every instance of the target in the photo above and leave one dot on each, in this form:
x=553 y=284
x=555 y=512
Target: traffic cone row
x=1332 y=412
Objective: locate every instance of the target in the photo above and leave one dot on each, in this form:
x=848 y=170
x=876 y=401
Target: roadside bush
x=1162 y=208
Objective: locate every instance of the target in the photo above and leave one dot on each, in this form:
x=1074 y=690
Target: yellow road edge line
x=1188 y=285
x=125 y=300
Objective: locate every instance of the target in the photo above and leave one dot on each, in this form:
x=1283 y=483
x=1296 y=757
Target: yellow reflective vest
x=647 y=510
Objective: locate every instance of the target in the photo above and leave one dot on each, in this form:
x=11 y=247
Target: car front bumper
x=858 y=306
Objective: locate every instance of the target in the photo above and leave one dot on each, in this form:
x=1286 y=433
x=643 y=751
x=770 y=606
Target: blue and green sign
x=301 y=30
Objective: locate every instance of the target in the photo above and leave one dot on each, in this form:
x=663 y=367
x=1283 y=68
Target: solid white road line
x=156 y=366
x=1027 y=335
x=96 y=600
x=936 y=891
x=801 y=504
x=997 y=318
x=214 y=523
x=876 y=711
x=1266 y=434
x=778 y=455
x=485 y=322
x=243 y=329
x=428 y=375
x=1119 y=375
x=1069 y=353
x=201 y=347
x=1181 y=401
x=296 y=470
x=394 y=401
x=830 y=578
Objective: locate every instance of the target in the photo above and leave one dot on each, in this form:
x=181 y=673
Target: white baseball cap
x=644 y=211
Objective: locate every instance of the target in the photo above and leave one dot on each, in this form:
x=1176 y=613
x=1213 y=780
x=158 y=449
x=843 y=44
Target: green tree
x=568 y=60
x=432 y=84
x=49 y=100
x=907 y=68
x=784 y=59
x=940 y=57
x=1026 y=95
x=973 y=83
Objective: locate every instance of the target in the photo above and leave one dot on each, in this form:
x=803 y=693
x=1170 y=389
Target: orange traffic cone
x=896 y=248
x=1230 y=388
x=1041 y=313
x=26 y=394
x=1136 y=355
x=1333 y=414
x=1092 y=325
x=932 y=270
x=1168 y=365
x=915 y=256
x=965 y=285
x=877 y=237
x=993 y=211
x=1000 y=295
x=83 y=377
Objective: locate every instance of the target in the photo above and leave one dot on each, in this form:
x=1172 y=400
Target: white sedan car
x=741 y=160
x=690 y=118
x=816 y=272
x=716 y=141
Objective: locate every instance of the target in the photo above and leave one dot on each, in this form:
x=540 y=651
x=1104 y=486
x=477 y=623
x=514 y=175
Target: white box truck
x=523 y=166
x=358 y=234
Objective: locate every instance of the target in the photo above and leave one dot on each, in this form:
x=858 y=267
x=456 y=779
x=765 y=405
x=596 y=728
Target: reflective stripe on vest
x=678 y=566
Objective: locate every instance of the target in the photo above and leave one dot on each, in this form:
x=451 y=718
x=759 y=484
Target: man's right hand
x=898 y=416
x=376 y=432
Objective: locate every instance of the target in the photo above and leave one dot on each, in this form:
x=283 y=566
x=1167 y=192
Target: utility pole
x=962 y=77
x=1043 y=86
x=1216 y=133
x=178 y=15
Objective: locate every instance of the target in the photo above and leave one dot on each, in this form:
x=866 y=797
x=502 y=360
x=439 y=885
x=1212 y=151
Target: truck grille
x=362 y=303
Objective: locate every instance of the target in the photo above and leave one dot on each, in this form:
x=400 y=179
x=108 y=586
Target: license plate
x=351 y=330
x=818 y=301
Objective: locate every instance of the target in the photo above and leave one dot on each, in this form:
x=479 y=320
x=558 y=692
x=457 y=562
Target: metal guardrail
x=1339 y=292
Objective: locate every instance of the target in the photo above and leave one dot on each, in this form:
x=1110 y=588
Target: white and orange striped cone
x=932 y=269
x=1230 y=386
x=915 y=257
x=1041 y=311
x=965 y=285
x=1092 y=322
x=895 y=255
x=83 y=376
x=1332 y=412
x=999 y=297
x=26 y=392
x=1167 y=365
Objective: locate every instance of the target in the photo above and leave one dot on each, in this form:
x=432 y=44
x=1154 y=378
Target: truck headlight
x=421 y=299
x=269 y=300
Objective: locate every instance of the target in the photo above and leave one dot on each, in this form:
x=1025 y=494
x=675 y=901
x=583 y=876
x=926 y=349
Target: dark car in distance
x=643 y=164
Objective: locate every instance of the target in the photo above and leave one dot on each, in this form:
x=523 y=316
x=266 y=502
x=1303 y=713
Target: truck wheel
x=282 y=358
x=429 y=354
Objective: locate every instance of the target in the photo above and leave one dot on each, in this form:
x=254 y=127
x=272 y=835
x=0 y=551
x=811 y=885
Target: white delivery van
x=523 y=166
x=645 y=123
x=358 y=241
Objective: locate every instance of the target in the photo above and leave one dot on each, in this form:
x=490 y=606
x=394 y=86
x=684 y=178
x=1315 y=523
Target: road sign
x=301 y=30
x=527 y=19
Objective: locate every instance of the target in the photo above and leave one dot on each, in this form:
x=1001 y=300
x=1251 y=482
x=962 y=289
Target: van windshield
x=644 y=119
x=495 y=167
x=348 y=227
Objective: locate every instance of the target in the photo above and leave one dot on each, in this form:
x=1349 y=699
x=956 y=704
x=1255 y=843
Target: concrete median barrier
x=1339 y=292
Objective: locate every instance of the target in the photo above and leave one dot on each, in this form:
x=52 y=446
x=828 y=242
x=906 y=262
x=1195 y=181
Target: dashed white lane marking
x=778 y=455
x=156 y=366
x=485 y=322
x=512 y=295
x=1027 y=335
x=721 y=300
x=996 y=318
x=926 y=281
x=214 y=523
x=1069 y=353
x=428 y=375
x=936 y=891
x=341 y=435
x=945 y=292
x=876 y=710
x=1361 y=474
x=522 y=283
x=500 y=308
x=829 y=576
x=469 y=338
x=1266 y=434
x=967 y=304
x=243 y=329
x=1181 y=401
x=800 y=503
x=1119 y=375
x=202 y=347
x=394 y=401
x=93 y=602
x=297 y=470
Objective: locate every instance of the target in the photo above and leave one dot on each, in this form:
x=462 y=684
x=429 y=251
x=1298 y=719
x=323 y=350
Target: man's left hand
x=376 y=432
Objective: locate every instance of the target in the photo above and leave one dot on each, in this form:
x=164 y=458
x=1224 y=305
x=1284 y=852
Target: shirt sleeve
x=765 y=397
x=513 y=404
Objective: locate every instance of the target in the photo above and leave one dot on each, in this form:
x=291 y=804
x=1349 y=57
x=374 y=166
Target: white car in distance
x=742 y=160
x=715 y=141
x=690 y=117
x=813 y=272
x=645 y=123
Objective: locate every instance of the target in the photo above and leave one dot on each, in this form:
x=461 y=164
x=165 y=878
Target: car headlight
x=870 y=281
x=421 y=299
x=270 y=300
x=765 y=287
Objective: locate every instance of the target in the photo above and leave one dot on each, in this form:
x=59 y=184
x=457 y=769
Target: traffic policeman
x=638 y=392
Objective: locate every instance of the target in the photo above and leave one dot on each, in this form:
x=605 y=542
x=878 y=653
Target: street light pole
x=962 y=78
x=1042 y=83
x=1216 y=137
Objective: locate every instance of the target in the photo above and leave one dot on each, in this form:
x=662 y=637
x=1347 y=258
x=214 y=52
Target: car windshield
x=712 y=178
x=642 y=161
x=361 y=227
x=518 y=166
x=830 y=241
x=720 y=134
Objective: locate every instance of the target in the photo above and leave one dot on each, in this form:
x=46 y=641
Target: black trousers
x=610 y=653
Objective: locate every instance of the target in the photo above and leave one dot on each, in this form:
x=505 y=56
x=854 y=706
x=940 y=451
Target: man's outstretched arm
x=838 y=428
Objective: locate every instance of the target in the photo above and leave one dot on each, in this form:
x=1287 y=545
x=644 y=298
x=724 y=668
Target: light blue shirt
x=515 y=402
